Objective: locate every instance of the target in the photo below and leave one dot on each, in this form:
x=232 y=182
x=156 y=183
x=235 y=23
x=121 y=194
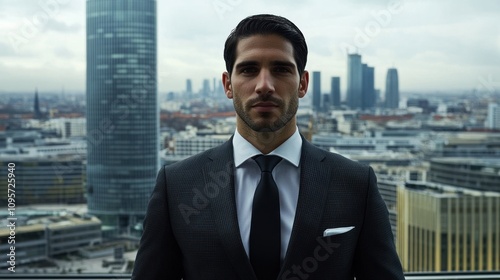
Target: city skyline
x=435 y=46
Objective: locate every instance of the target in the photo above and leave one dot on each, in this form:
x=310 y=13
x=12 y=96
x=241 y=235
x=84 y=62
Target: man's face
x=265 y=85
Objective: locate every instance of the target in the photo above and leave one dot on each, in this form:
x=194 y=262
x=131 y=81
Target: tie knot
x=267 y=163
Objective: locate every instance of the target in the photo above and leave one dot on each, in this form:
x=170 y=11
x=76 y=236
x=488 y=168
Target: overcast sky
x=445 y=45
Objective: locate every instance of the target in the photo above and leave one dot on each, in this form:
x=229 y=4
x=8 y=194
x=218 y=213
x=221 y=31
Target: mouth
x=264 y=106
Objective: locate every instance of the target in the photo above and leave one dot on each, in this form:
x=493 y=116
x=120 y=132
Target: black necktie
x=265 y=232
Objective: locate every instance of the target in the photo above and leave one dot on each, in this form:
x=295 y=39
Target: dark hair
x=266 y=24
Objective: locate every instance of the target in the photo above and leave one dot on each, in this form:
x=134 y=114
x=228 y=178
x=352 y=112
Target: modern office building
x=473 y=173
x=327 y=141
x=45 y=237
x=42 y=179
x=122 y=111
x=388 y=186
x=368 y=97
x=316 y=89
x=457 y=144
x=335 y=92
x=67 y=127
x=493 y=117
x=446 y=228
x=185 y=146
x=354 y=81
x=392 y=89
x=205 y=90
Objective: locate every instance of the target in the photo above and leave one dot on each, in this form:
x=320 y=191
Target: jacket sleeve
x=376 y=256
x=159 y=256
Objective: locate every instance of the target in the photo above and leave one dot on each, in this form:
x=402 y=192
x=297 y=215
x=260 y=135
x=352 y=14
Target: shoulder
x=199 y=160
x=332 y=159
x=341 y=170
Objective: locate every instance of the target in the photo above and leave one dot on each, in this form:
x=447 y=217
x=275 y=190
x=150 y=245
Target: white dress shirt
x=286 y=175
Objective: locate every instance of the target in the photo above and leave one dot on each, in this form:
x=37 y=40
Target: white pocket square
x=335 y=231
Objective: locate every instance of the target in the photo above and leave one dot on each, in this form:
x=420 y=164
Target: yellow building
x=445 y=228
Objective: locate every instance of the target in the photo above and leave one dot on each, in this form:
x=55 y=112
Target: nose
x=265 y=82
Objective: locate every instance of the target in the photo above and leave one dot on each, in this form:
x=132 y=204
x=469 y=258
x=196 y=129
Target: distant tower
x=493 y=117
x=122 y=111
x=354 y=81
x=316 y=91
x=368 y=92
x=392 y=89
x=205 y=92
x=37 y=114
x=189 y=87
x=335 y=92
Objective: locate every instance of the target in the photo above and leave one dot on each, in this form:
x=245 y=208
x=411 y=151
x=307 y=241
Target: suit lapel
x=219 y=174
x=312 y=197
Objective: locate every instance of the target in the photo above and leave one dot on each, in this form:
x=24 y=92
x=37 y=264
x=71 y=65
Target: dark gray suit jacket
x=191 y=228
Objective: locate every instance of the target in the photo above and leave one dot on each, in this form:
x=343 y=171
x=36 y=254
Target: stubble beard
x=242 y=110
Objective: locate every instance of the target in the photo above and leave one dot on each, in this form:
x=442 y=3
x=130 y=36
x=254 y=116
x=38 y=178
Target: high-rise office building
x=493 y=117
x=316 y=91
x=189 y=87
x=446 y=228
x=354 y=81
x=122 y=110
x=368 y=90
x=392 y=89
x=335 y=92
x=205 y=90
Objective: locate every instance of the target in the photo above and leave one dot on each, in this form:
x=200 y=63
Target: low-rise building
x=41 y=238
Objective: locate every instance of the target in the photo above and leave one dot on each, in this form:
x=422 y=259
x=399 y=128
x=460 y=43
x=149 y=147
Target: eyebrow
x=273 y=63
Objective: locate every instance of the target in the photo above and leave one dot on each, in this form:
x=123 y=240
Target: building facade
x=316 y=75
x=473 y=173
x=388 y=186
x=335 y=92
x=122 y=111
x=478 y=145
x=354 y=81
x=445 y=228
x=50 y=236
x=368 y=97
x=392 y=89
x=43 y=179
x=327 y=141
x=493 y=117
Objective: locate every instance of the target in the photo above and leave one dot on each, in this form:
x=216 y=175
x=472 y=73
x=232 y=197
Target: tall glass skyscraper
x=316 y=91
x=368 y=91
x=122 y=110
x=354 y=81
x=335 y=91
x=392 y=89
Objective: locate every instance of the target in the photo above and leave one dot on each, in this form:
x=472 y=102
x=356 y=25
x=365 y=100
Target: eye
x=249 y=70
x=282 y=69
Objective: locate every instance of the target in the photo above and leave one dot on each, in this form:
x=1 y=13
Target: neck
x=266 y=142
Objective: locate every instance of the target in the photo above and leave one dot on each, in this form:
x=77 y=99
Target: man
x=223 y=214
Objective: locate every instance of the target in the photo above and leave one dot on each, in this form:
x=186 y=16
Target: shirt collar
x=290 y=149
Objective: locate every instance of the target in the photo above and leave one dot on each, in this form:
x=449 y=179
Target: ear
x=303 y=84
x=226 y=82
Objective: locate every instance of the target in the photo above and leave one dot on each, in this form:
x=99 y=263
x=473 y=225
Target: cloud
x=425 y=39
